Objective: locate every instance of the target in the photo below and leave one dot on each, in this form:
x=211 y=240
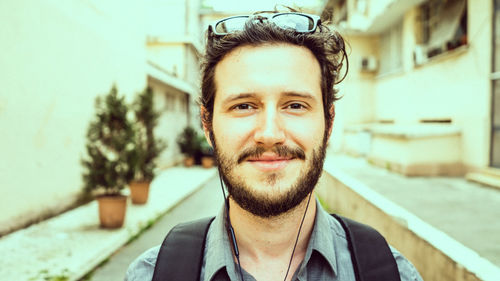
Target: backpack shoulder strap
x=371 y=256
x=181 y=253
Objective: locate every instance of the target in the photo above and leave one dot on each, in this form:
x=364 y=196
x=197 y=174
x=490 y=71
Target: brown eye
x=243 y=106
x=296 y=106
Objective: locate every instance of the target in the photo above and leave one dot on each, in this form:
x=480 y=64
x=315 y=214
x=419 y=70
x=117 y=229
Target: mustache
x=280 y=150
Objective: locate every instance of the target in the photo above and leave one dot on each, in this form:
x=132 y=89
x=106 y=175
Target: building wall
x=56 y=57
x=169 y=56
x=356 y=92
x=174 y=43
x=454 y=85
x=173 y=105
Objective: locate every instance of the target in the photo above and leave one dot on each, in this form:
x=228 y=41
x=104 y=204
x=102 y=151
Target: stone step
x=495 y=172
x=485 y=178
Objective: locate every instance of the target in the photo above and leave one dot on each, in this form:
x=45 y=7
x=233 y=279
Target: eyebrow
x=238 y=96
x=234 y=97
x=304 y=95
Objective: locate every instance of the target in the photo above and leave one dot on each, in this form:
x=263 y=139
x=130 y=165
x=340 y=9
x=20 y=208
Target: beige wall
x=174 y=44
x=407 y=151
x=455 y=85
x=178 y=58
x=56 y=57
x=169 y=56
x=172 y=121
x=357 y=90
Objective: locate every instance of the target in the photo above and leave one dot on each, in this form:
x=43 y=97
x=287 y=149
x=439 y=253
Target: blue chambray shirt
x=327 y=256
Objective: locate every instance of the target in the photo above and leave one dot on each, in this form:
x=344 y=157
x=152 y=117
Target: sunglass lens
x=230 y=25
x=297 y=22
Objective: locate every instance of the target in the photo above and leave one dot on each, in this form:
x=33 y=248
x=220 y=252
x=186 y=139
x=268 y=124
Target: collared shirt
x=327 y=256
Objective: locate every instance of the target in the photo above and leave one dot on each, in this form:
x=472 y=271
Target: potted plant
x=207 y=153
x=188 y=145
x=142 y=158
x=105 y=167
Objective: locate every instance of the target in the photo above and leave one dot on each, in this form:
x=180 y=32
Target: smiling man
x=267 y=110
x=268 y=126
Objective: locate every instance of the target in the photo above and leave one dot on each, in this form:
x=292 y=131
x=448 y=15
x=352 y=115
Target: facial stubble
x=263 y=204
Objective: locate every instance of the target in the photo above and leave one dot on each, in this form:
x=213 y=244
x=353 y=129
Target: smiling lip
x=269 y=162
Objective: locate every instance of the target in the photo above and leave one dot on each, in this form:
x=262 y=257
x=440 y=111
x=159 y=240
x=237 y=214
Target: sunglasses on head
x=302 y=23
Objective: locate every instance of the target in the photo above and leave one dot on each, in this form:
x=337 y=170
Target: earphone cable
x=297 y=239
x=233 y=236
x=231 y=230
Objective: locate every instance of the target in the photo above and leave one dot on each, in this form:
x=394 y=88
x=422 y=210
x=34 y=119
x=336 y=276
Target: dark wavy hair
x=327 y=46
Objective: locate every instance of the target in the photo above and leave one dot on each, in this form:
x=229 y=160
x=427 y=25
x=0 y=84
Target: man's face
x=268 y=126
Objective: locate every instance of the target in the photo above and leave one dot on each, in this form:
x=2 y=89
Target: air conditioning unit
x=369 y=64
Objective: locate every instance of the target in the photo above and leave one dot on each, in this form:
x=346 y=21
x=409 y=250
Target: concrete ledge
x=72 y=244
x=420 y=169
x=415 y=131
x=412 y=150
x=436 y=255
x=489 y=177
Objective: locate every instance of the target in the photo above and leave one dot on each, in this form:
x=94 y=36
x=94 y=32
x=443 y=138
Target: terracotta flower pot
x=207 y=162
x=112 y=210
x=139 y=191
x=189 y=161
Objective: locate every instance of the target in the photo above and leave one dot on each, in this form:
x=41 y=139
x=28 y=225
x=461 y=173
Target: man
x=267 y=110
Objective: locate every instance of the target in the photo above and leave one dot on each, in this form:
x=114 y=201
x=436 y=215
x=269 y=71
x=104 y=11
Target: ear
x=206 y=126
x=332 y=117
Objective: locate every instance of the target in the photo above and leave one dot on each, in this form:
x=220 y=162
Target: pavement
x=72 y=244
x=206 y=201
x=457 y=217
x=467 y=212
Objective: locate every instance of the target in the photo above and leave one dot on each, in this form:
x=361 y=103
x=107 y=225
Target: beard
x=267 y=205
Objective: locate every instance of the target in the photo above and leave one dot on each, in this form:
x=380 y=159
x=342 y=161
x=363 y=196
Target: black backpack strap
x=181 y=253
x=371 y=256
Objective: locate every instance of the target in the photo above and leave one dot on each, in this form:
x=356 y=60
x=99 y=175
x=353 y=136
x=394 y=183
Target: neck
x=260 y=239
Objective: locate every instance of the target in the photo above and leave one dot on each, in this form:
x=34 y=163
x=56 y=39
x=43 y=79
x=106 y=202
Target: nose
x=270 y=129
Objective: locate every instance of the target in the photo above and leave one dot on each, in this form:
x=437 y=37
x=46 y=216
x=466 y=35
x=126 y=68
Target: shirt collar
x=321 y=240
x=218 y=253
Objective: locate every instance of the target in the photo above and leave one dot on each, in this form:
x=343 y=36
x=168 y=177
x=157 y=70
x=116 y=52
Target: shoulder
x=406 y=269
x=142 y=268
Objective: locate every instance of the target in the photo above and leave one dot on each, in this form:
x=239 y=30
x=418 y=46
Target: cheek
x=308 y=133
x=231 y=133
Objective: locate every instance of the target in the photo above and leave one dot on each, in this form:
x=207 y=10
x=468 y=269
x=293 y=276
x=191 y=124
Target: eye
x=243 y=106
x=296 y=106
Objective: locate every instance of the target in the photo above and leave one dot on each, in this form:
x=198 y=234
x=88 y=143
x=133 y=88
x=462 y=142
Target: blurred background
x=421 y=99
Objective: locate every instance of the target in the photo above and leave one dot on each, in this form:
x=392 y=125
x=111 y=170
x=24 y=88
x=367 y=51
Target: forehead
x=268 y=68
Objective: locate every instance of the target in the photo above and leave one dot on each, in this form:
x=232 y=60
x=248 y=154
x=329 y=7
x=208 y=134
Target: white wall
x=172 y=121
x=56 y=57
x=454 y=85
x=356 y=91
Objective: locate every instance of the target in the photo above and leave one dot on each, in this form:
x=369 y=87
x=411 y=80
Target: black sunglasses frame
x=315 y=18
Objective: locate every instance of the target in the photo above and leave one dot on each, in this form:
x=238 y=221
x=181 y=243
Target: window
x=443 y=26
x=391 y=49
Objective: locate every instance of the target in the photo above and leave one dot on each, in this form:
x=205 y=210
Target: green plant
x=147 y=147
x=108 y=145
x=45 y=275
x=205 y=148
x=188 y=142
